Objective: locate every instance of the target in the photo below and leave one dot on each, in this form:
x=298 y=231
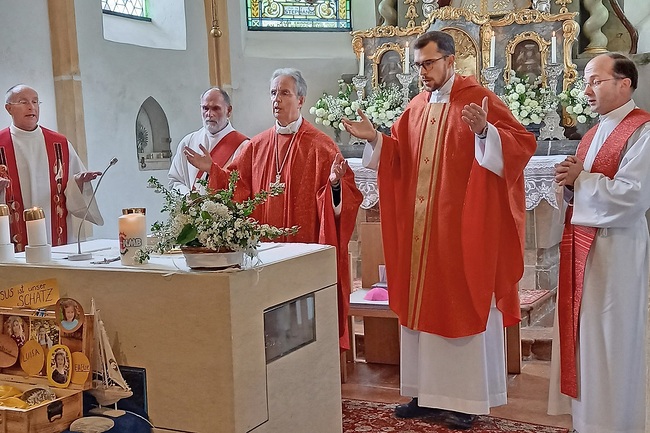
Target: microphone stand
x=87 y=256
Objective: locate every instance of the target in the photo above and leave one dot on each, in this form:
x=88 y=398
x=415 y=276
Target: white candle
x=492 y=50
x=36 y=231
x=362 y=59
x=553 y=49
x=5 y=237
x=133 y=236
x=405 y=68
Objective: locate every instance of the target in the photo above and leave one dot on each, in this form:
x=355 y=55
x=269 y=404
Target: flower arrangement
x=329 y=110
x=213 y=220
x=575 y=102
x=528 y=101
x=384 y=106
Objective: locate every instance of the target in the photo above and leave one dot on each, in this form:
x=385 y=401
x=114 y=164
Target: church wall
x=638 y=12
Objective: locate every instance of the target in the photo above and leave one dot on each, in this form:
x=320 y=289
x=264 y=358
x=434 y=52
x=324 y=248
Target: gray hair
x=13 y=90
x=301 y=84
x=226 y=96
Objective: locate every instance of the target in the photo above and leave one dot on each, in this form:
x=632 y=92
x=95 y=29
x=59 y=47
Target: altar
x=209 y=340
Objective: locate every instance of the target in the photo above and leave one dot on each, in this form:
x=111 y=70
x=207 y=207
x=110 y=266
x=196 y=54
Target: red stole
x=224 y=149
x=576 y=243
x=56 y=146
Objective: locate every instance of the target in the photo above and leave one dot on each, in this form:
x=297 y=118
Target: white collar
x=17 y=131
x=442 y=94
x=220 y=133
x=618 y=114
x=291 y=128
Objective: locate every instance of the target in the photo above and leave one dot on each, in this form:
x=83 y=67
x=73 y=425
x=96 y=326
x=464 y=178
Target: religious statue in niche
x=527 y=60
x=390 y=65
x=491 y=7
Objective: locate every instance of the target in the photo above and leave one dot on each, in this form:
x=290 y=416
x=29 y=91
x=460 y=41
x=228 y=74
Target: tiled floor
x=527 y=392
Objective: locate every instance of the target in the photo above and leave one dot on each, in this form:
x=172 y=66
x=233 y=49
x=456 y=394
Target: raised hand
x=202 y=161
x=475 y=116
x=85 y=176
x=339 y=167
x=361 y=129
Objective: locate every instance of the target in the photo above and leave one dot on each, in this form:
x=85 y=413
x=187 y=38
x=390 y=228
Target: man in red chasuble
x=452 y=218
x=39 y=167
x=602 y=304
x=319 y=195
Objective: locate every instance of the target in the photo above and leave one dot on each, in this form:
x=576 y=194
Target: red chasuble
x=56 y=146
x=307 y=198
x=576 y=243
x=453 y=231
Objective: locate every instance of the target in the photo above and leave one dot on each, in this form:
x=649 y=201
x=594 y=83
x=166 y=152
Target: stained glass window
x=299 y=15
x=128 y=8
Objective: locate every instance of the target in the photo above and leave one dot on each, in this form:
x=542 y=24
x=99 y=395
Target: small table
x=380 y=329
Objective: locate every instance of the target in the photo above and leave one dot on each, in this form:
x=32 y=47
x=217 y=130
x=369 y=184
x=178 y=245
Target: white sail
x=109 y=385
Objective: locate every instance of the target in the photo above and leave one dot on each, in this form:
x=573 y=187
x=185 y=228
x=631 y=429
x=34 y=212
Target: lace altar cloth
x=366 y=180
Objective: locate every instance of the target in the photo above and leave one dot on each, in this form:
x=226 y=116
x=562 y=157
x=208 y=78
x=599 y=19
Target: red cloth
x=56 y=146
x=576 y=243
x=474 y=227
x=222 y=152
x=307 y=198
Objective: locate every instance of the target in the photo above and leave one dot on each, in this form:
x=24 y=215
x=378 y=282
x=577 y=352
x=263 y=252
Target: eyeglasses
x=25 y=102
x=596 y=83
x=427 y=64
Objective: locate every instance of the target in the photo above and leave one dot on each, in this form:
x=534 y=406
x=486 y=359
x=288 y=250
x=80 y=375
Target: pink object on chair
x=376 y=294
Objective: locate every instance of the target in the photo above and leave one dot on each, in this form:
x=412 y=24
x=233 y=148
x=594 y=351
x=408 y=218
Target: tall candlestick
x=405 y=68
x=5 y=237
x=362 y=59
x=133 y=233
x=553 y=49
x=35 y=222
x=493 y=43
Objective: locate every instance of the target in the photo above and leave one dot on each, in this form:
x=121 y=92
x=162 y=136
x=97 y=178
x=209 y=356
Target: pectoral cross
x=277 y=183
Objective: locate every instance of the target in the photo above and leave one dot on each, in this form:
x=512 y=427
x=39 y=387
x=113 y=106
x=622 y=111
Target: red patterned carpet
x=369 y=417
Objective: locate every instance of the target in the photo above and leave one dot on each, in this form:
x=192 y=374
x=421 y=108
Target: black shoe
x=413 y=410
x=458 y=420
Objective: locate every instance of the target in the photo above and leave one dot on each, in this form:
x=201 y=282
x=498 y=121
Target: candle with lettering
x=362 y=59
x=36 y=231
x=133 y=233
x=553 y=49
x=405 y=68
x=492 y=49
x=5 y=237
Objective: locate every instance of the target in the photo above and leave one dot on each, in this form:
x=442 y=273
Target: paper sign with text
x=35 y=294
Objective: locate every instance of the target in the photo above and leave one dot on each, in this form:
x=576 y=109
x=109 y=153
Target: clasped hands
x=568 y=170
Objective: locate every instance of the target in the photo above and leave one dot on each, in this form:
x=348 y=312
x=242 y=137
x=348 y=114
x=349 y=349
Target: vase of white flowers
x=212 y=229
x=329 y=109
x=384 y=106
x=577 y=109
x=528 y=100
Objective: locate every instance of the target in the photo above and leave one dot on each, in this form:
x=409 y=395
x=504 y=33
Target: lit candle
x=405 y=68
x=4 y=225
x=362 y=59
x=35 y=222
x=492 y=49
x=553 y=48
x=133 y=233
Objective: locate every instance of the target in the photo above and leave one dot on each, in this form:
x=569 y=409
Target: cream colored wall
x=638 y=12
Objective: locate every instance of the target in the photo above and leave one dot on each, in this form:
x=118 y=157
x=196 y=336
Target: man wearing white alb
x=217 y=136
x=40 y=168
x=450 y=179
x=604 y=257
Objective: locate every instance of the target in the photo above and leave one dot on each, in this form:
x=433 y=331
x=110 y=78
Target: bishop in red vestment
x=452 y=217
x=319 y=195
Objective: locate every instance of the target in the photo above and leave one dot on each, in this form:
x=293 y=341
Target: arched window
x=126 y=8
x=299 y=15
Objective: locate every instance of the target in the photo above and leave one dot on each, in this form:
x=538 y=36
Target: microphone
x=87 y=256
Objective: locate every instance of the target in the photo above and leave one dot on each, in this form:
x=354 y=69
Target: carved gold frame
x=542 y=44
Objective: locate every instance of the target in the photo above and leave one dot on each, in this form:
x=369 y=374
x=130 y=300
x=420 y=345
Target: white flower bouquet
x=528 y=101
x=384 y=106
x=575 y=102
x=329 y=110
x=213 y=220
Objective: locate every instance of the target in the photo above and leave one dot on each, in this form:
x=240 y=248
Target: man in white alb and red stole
x=41 y=169
x=452 y=205
x=319 y=194
x=217 y=136
x=602 y=301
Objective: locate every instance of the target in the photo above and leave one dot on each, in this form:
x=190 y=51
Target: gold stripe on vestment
x=429 y=160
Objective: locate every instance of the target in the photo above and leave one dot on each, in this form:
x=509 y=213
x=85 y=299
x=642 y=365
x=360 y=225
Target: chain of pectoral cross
x=278 y=166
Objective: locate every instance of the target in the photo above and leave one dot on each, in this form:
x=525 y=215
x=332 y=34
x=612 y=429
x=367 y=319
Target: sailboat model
x=108 y=385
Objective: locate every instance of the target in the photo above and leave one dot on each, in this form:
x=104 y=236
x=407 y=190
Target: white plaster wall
x=638 y=12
